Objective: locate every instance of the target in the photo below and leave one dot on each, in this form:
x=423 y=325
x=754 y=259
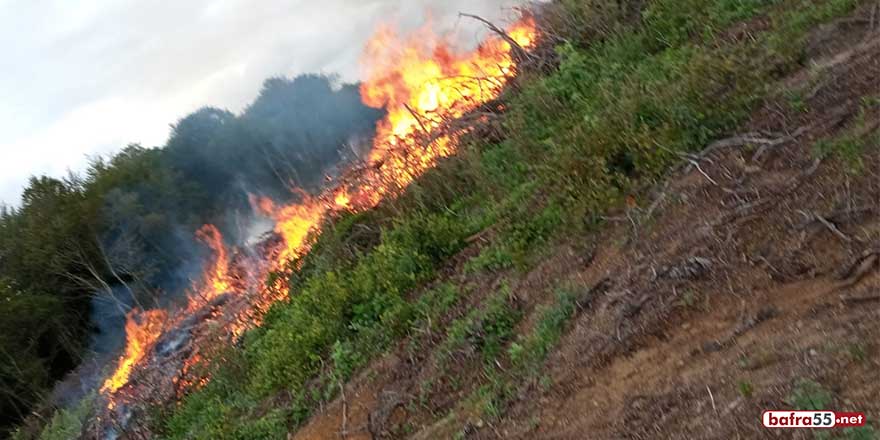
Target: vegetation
x=635 y=90
x=622 y=106
x=852 y=143
x=809 y=395
x=67 y=423
x=119 y=232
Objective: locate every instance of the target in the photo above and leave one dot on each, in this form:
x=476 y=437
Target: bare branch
x=519 y=53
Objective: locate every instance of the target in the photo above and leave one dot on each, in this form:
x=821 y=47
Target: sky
x=88 y=77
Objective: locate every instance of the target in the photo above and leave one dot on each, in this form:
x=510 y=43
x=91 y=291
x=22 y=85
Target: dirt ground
x=753 y=269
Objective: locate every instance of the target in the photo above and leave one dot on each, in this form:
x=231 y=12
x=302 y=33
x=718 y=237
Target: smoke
x=108 y=311
x=101 y=75
x=287 y=138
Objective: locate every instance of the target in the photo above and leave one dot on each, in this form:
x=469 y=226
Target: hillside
x=745 y=280
x=665 y=224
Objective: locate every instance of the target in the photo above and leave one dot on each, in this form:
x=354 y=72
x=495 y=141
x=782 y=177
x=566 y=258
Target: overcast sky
x=87 y=77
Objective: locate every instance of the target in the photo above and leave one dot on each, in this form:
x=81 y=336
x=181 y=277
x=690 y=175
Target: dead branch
x=344 y=430
x=751 y=138
x=855 y=301
x=419 y=120
x=519 y=53
x=831 y=227
x=868 y=262
x=874 y=15
x=113 y=272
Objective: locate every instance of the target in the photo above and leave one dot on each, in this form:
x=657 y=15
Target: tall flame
x=217 y=275
x=142 y=329
x=293 y=223
x=424 y=83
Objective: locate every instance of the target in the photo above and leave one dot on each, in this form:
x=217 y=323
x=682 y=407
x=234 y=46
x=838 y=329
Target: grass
x=523 y=358
x=850 y=144
x=529 y=351
x=746 y=389
x=857 y=352
x=493 y=258
x=484 y=330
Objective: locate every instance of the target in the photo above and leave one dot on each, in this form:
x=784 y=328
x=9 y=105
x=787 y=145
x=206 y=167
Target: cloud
x=88 y=77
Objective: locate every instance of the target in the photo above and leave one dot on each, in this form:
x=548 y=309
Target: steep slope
x=746 y=280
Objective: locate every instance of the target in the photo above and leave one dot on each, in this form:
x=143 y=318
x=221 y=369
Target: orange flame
x=422 y=86
x=423 y=83
x=141 y=331
x=293 y=223
x=217 y=275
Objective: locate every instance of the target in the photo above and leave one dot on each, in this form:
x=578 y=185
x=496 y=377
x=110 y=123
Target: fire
x=141 y=331
x=293 y=223
x=424 y=84
x=217 y=275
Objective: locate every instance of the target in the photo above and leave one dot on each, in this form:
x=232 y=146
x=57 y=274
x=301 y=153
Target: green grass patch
x=484 y=330
x=851 y=144
x=523 y=358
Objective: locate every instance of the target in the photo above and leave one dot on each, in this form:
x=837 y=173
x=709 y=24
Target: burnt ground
x=721 y=291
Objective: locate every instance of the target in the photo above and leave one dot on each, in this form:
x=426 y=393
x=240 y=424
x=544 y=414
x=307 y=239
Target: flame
x=423 y=83
x=216 y=277
x=293 y=223
x=342 y=200
x=142 y=329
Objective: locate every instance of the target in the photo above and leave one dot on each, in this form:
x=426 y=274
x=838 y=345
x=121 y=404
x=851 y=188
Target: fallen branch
x=832 y=227
x=859 y=269
x=858 y=300
x=344 y=431
x=751 y=138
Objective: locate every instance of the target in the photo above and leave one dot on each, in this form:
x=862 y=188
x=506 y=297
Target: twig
x=868 y=262
x=418 y=119
x=712 y=398
x=831 y=227
x=873 y=15
x=693 y=160
x=697 y=166
x=852 y=301
x=344 y=431
x=521 y=53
